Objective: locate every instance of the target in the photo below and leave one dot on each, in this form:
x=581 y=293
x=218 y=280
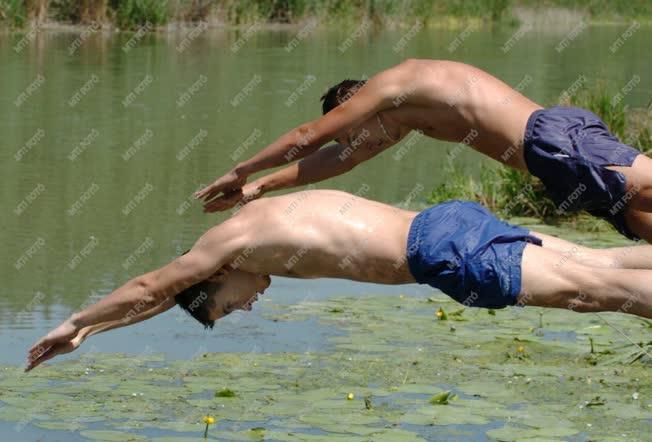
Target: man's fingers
x=41 y=345
x=39 y=358
x=213 y=190
x=44 y=357
x=48 y=354
x=208 y=192
x=36 y=361
x=222 y=203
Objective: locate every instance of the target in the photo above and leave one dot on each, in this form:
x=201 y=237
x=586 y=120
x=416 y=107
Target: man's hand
x=63 y=339
x=242 y=196
x=227 y=184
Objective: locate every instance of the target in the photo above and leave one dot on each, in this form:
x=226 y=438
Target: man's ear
x=219 y=275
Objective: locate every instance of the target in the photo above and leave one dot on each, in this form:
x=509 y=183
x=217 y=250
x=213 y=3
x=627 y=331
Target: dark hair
x=339 y=93
x=196 y=302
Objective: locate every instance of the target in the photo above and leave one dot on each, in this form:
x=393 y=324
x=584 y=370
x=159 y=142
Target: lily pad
x=111 y=436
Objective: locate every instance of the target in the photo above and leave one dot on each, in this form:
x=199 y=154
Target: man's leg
x=571 y=285
x=640 y=223
x=638 y=215
x=632 y=257
x=639 y=182
x=570 y=251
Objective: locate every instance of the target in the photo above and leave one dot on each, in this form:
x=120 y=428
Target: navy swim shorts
x=463 y=250
x=569 y=150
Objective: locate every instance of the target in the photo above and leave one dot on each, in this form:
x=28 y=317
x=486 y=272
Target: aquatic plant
x=208 y=420
x=507 y=191
x=132 y=13
x=443 y=398
x=397 y=356
x=226 y=392
x=14 y=12
x=75 y=11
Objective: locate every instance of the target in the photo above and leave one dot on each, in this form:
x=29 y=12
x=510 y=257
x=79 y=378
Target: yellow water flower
x=350 y=396
x=208 y=420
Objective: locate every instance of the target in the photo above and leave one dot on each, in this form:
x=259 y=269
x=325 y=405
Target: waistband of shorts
x=529 y=127
x=532 y=239
x=413 y=242
x=415 y=230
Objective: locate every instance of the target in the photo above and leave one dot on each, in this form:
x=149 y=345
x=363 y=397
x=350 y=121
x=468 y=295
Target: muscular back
x=457 y=102
x=325 y=233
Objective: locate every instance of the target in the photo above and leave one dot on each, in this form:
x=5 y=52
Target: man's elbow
x=308 y=139
x=302 y=135
x=144 y=300
x=150 y=293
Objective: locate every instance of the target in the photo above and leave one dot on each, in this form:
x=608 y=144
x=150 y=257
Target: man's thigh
x=639 y=183
x=548 y=278
x=576 y=252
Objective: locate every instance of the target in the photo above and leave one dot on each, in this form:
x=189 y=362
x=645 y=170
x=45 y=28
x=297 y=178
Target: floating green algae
x=225 y=392
x=513 y=374
x=111 y=436
x=443 y=398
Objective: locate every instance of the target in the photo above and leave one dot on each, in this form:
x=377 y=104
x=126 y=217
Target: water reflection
x=102 y=181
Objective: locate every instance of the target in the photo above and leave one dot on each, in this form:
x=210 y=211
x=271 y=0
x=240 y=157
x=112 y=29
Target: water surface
x=97 y=181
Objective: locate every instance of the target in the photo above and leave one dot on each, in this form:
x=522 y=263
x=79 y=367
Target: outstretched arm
x=144 y=296
x=64 y=346
x=326 y=163
x=377 y=94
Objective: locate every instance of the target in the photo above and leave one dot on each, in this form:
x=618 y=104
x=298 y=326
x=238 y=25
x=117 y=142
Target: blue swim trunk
x=569 y=150
x=462 y=249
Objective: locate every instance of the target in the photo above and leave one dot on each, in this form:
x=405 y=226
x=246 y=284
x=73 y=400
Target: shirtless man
x=571 y=150
x=457 y=247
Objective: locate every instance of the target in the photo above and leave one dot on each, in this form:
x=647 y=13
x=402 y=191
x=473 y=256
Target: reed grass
x=134 y=13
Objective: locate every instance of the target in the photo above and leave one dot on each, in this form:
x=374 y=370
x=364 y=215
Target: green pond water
x=96 y=190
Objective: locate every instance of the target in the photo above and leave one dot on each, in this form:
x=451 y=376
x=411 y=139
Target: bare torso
x=457 y=102
x=326 y=233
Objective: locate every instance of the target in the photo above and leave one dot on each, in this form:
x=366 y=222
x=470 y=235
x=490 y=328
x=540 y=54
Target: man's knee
x=584 y=286
x=583 y=302
x=604 y=258
x=599 y=290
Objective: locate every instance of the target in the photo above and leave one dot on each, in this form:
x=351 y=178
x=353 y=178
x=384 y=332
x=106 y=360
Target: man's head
x=222 y=293
x=339 y=93
x=375 y=133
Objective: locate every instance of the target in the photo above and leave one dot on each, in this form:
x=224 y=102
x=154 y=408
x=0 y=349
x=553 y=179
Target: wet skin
x=445 y=100
x=324 y=233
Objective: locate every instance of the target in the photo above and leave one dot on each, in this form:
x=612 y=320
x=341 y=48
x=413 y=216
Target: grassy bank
x=511 y=193
x=135 y=13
